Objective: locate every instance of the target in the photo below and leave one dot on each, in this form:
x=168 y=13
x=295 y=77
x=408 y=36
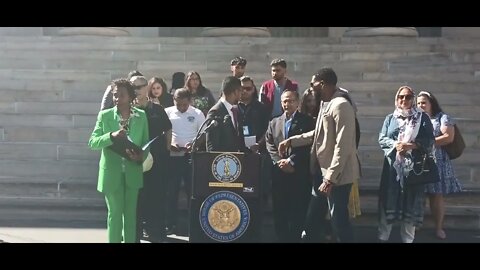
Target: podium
x=226 y=198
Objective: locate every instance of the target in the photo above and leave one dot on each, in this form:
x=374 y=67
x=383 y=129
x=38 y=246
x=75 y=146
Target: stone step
x=166 y=67
x=373 y=155
x=32 y=134
x=374 y=124
x=465 y=57
x=20 y=120
x=44 y=84
x=50 y=193
x=94 y=97
x=77 y=64
x=12 y=54
x=370 y=137
x=468 y=176
x=62 y=108
x=467 y=111
x=54 y=191
x=384 y=97
x=65 y=75
x=432 y=67
x=62 y=169
x=462 y=88
x=47 y=151
x=11 y=96
x=461 y=212
x=423 y=76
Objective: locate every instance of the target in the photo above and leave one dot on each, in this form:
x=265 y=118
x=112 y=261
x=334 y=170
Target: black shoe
x=170 y=230
x=145 y=235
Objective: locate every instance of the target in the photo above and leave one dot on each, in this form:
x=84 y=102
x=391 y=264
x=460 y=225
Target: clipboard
x=120 y=146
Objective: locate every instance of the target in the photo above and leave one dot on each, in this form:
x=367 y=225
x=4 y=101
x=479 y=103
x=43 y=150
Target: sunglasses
x=312 y=84
x=140 y=86
x=407 y=97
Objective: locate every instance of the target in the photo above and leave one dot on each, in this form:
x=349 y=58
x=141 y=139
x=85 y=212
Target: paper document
x=250 y=140
x=148 y=143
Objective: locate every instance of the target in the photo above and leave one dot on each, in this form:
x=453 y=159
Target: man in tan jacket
x=333 y=153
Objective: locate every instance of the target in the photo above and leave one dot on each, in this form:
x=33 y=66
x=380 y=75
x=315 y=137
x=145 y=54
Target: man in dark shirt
x=254 y=114
x=228 y=135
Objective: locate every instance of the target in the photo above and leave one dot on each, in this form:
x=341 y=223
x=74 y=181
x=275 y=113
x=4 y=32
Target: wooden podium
x=226 y=198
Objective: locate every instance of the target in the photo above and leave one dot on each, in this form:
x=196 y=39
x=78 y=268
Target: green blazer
x=110 y=166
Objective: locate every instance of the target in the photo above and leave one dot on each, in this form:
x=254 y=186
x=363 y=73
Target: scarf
x=408 y=121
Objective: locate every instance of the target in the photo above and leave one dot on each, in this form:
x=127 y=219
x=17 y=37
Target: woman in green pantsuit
x=119 y=178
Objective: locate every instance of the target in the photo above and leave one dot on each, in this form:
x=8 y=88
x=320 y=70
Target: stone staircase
x=51 y=87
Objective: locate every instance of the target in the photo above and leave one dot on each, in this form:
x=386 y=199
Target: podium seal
x=226 y=168
x=224 y=216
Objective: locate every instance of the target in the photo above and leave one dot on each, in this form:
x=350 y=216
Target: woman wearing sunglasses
x=406 y=134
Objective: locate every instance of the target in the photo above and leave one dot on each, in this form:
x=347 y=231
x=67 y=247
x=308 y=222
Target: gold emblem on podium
x=224 y=216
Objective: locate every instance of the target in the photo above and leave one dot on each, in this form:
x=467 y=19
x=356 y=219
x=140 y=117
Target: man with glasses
x=333 y=157
x=255 y=117
x=141 y=84
x=255 y=123
x=107 y=99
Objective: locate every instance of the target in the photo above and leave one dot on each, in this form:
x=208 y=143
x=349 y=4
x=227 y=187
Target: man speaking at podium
x=227 y=133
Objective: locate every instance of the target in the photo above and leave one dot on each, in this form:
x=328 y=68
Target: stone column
x=94 y=31
x=235 y=31
x=381 y=31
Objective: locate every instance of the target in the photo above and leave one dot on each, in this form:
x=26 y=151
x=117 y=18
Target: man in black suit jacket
x=290 y=173
x=227 y=136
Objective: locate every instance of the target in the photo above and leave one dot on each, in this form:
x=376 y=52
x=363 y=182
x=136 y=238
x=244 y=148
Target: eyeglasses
x=407 y=97
x=248 y=88
x=313 y=84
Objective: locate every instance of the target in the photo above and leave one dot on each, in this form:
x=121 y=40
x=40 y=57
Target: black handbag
x=425 y=171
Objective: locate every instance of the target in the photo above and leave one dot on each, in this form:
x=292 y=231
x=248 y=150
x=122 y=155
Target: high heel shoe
x=440 y=234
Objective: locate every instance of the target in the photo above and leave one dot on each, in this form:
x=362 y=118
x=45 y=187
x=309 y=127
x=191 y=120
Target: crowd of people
x=308 y=144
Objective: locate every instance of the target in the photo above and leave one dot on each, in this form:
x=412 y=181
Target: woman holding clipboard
x=120 y=176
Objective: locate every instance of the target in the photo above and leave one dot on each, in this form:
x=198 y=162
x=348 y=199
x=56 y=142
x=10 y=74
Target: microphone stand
x=193 y=152
x=200 y=132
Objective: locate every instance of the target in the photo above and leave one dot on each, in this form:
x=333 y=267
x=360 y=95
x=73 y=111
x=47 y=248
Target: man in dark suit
x=227 y=135
x=290 y=173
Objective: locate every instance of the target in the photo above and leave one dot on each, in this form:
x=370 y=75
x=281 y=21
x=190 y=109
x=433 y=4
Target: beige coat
x=334 y=145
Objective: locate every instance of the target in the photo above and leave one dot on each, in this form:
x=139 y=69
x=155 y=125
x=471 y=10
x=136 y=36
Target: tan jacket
x=334 y=146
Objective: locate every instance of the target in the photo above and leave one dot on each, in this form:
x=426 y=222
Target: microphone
x=213 y=124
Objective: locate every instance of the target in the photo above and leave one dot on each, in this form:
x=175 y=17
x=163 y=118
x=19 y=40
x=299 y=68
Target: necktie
x=235 y=116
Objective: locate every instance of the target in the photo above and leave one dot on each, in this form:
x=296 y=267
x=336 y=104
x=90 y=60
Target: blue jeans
x=337 y=205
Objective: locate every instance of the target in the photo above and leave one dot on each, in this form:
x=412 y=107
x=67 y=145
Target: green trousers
x=122 y=214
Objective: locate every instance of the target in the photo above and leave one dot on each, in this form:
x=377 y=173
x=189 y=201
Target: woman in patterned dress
x=443 y=131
